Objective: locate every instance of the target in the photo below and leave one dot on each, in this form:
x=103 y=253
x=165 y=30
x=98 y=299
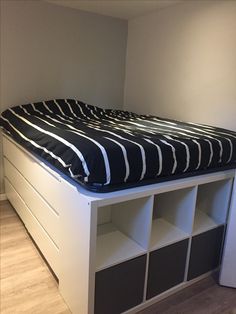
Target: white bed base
x=62 y=218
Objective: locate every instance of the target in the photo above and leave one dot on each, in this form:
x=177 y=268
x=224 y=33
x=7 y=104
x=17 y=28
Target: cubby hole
x=173 y=214
x=212 y=205
x=123 y=231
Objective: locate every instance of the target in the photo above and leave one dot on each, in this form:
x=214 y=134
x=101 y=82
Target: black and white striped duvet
x=110 y=147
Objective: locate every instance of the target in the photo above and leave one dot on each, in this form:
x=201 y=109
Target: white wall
x=49 y=51
x=181 y=63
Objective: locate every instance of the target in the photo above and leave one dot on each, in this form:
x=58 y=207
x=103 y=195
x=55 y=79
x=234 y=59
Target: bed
x=167 y=190
x=106 y=150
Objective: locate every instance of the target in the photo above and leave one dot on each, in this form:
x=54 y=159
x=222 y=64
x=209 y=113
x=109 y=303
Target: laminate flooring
x=27 y=285
x=203 y=297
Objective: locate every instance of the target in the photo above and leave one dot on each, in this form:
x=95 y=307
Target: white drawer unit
x=114 y=252
x=39 y=234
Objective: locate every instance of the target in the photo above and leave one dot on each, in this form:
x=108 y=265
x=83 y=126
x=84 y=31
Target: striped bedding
x=107 y=149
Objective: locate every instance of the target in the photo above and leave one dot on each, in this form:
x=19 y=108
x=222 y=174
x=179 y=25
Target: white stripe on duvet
x=159 y=155
x=174 y=155
x=137 y=144
x=186 y=148
x=69 y=105
x=127 y=168
x=43 y=148
x=199 y=154
x=65 y=142
x=102 y=149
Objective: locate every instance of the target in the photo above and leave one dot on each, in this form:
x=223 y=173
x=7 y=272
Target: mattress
x=106 y=149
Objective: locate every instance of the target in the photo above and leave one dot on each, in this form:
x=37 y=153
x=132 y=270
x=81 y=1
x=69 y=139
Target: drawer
x=119 y=288
x=45 y=244
x=46 y=216
x=205 y=252
x=166 y=268
x=42 y=180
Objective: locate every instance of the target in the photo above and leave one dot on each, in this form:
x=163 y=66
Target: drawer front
x=205 y=252
x=46 y=216
x=120 y=287
x=45 y=244
x=166 y=268
x=42 y=180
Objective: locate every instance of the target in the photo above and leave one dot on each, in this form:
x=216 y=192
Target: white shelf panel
x=203 y=222
x=163 y=233
x=113 y=247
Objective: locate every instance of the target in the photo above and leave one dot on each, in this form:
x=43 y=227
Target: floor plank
x=27 y=285
x=203 y=297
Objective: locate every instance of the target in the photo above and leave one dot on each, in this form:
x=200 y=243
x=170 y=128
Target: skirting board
x=3 y=197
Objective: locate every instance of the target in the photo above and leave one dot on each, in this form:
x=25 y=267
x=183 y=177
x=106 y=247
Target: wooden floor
x=27 y=286
x=204 y=297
